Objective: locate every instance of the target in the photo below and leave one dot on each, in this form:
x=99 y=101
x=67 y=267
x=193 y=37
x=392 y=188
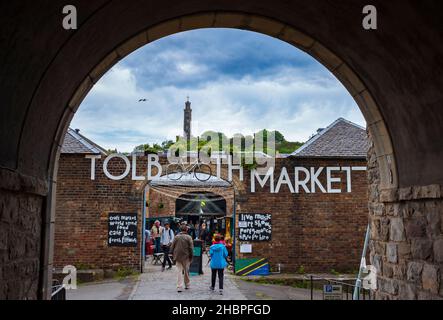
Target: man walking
x=167 y=237
x=182 y=249
x=156 y=232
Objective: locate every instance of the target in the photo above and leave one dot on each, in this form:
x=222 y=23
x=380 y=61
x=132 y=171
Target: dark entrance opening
x=197 y=208
x=200 y=203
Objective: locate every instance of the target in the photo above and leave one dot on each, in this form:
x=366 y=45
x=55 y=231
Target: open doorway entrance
x=206 y=207
x=203 y=207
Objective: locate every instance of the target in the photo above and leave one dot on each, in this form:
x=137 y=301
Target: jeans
x=157 y=245
x=183 y=272
x=166 y=256
x=214 y=273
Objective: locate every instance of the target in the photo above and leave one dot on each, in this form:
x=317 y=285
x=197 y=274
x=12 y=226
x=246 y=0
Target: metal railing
x=58 y=291
x=348 y=288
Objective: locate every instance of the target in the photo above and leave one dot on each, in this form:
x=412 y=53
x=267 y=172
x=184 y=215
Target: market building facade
x=310 y=215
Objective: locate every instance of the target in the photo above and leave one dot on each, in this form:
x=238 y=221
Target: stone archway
x=383 y=149
x=54 y=69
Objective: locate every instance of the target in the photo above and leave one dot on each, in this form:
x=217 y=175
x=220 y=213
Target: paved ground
x=257 y=291
x=157 y=285
x=105 y=290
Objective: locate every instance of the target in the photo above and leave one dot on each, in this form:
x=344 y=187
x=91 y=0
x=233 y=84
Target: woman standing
x=218 y=253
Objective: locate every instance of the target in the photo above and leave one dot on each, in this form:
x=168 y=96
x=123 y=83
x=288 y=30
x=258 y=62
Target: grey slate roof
x=75 y=143
x=342 y=139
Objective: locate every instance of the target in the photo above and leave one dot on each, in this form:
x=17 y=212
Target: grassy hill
x=288 y=147
x=247 y=142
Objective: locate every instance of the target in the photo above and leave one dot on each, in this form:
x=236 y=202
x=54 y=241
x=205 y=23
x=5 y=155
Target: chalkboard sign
x=254 y=227
x=122 y=229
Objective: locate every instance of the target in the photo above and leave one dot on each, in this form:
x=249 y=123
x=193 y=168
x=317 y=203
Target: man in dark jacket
x=203 y=235
x=182 y=249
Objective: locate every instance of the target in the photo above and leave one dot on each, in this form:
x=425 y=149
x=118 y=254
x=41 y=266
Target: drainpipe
x=360 y=271
x=234 y=235
x=143 y=255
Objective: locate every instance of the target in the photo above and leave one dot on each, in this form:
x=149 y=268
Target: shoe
x=179 y=289
x=170 y=267
x=221 y=292
x=188 y=287
x=211 y=288
x=163 y=269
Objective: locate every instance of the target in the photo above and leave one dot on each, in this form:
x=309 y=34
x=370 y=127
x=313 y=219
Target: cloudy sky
x=237 y=81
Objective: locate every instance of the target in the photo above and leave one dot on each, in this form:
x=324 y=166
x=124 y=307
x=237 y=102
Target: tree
x=217 y=141
x=167 y=144
x=279 y=137
x=146 y=148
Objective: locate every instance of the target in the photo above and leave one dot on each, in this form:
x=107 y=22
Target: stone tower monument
x=187 y=120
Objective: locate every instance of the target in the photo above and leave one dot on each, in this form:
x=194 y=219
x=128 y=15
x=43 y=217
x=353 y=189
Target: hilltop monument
x=187 y=120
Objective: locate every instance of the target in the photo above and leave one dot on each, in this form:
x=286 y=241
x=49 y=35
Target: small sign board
x=246 y=248
x=122 y=230
x=332 y=292
x=255 y=227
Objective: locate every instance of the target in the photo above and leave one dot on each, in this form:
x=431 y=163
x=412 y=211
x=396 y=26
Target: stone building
x=318 y=222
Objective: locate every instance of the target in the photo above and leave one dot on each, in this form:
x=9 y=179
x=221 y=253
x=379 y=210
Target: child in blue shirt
x=218 y=253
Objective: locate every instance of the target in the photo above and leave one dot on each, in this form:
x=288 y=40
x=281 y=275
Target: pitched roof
x=342 y=139
x=74 y=142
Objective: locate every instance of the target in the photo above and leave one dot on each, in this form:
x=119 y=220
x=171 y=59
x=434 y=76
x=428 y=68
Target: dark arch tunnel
x=42 y=65
x=191 y=203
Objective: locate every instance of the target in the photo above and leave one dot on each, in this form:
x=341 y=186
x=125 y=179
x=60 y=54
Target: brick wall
x=82 y=209
x=318 y=231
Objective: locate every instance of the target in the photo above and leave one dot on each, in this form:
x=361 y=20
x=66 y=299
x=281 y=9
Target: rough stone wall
x=82 y=209
x=318 y=231
x=406 y=243
x=21 y=205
